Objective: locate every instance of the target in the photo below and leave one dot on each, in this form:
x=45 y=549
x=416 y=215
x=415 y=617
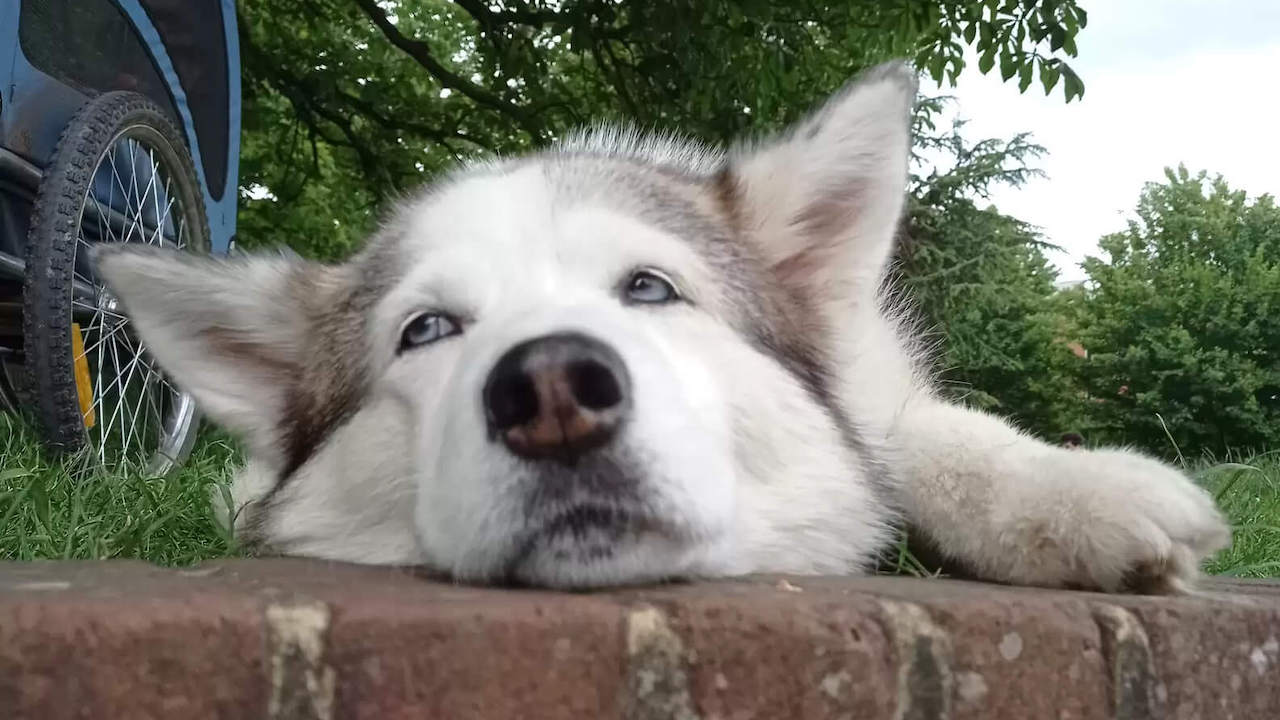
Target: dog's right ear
x=229 y=331
x=822 y=200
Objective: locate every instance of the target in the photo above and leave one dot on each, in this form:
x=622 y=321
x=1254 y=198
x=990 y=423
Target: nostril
x=556 y=396
x=594 y=384
x=512 y=400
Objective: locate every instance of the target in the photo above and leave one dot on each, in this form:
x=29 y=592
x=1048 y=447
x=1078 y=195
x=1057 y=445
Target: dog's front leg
x=1014 y=509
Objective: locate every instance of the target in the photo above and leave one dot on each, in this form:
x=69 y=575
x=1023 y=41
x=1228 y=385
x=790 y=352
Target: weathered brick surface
x=415 y=650
x=1215 y=656
x=299 y=639
x=127 y=641
x=763 y=650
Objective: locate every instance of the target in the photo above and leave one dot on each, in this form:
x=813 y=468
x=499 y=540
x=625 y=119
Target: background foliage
x=360 y=101
x=1183 y=317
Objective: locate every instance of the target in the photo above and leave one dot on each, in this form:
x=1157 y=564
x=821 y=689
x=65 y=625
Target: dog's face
x=611 y=362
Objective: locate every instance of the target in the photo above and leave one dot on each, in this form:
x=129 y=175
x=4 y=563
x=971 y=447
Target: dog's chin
x=591 y=545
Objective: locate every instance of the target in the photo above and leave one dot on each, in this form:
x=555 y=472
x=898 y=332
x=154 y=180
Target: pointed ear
x=823 y=200
x=230 y=332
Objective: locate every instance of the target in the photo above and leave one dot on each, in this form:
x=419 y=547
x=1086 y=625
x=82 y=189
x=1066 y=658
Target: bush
x=1182 y=322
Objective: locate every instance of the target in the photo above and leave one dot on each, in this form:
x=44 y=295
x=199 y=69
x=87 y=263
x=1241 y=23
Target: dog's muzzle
x=557 y=397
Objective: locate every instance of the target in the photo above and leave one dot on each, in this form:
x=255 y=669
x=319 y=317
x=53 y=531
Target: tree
x=351 y=102
x=981 y=281
x=1182 y=321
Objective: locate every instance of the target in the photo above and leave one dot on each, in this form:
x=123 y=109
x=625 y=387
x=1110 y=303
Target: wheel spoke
x=139 y=405
x=139 y=219
x=124 y=190
x=135 y=201
x=104 y=222
x=156 y=199
x=98 y=396
x=168 y=193
x=116 y=369
x=90 y=306
x=158 y=235
x=124 y=382
x=105 y=336
x=155 y=405
x=115 y=174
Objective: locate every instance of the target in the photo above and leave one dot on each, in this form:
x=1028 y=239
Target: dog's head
x=607 y=362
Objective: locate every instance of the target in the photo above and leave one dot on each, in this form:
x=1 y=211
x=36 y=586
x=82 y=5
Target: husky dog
x=632 y=358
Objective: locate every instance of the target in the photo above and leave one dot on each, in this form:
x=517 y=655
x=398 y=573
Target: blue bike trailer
x=182 y=54
x=119 y=122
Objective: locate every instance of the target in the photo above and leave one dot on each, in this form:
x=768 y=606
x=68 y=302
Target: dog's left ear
x=233 y=332
x=822 y=201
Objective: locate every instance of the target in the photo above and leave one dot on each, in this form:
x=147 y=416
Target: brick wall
x=298 y=639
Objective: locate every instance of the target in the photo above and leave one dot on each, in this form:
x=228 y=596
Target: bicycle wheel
x=120 y=173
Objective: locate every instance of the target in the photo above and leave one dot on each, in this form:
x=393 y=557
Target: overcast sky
x=1166 y=81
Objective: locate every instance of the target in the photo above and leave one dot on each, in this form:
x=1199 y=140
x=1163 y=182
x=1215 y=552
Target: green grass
x=58 y=508
x=1249 y=493
x=53 y=508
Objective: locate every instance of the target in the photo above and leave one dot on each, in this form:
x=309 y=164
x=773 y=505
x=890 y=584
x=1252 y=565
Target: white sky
x=1166 y=81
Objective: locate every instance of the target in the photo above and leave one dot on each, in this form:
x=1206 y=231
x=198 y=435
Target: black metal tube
x=26 y=174
x=12 y=267
x=15 y=269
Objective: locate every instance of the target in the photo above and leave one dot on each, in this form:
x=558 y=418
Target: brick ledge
x=304 y=639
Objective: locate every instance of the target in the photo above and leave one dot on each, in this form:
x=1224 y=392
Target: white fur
x=745 y=469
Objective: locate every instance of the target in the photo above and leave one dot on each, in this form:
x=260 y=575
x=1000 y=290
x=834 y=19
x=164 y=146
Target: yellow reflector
x=84 y=386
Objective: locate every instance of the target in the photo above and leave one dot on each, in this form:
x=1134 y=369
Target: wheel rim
x=133 y=414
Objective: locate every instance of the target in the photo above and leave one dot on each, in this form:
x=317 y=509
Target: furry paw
x=1112 y=520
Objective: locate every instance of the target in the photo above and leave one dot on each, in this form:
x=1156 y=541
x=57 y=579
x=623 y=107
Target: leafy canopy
x=1182 y=320
x=350 y=102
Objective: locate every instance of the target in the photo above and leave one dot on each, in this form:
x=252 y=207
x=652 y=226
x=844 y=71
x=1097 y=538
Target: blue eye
x=650 y=287
x=426 y=329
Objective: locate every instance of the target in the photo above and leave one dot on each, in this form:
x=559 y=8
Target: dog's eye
x=651 y=287
x=426 y=329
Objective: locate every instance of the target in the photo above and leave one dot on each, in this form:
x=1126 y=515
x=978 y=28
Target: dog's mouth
x=581 y=521
x=586 y=534
x=594 y=527
x=601 y=521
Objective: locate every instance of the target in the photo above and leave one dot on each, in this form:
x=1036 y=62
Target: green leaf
x=1070 y=20
x=1057 y=36
x=985 y=34
x=1049 y=74
x=1024 y=77
x=1008 y=65
x=1072 y=85
x=1069 y=46
x=936 y=67
x=987 y=60
x=1038 y=29
x=13 y=474
x=970 y=31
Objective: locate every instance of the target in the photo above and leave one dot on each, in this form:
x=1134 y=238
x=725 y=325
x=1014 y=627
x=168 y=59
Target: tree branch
x=432 y=133
x=489 y=18
x=421 y=52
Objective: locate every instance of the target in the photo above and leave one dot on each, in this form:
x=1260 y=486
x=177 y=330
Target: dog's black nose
x=557 y=396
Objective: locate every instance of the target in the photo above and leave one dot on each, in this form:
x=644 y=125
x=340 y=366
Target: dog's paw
x=1116 y=521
